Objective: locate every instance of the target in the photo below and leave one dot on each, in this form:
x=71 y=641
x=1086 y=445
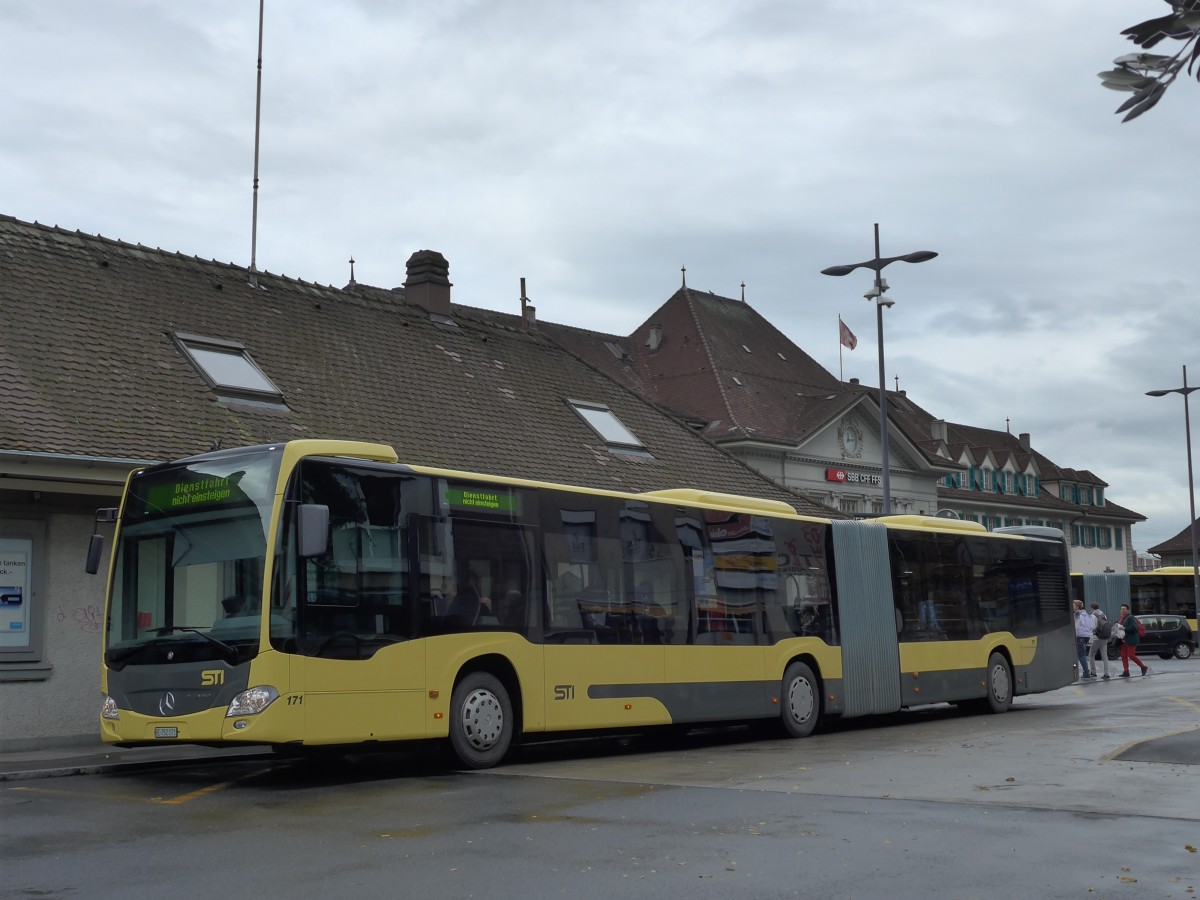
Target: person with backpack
x=1129 y=641
x=1100 y=638
x=1084 y=624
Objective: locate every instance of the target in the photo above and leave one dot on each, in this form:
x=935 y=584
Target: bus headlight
x=251 y=702
x=108 y=708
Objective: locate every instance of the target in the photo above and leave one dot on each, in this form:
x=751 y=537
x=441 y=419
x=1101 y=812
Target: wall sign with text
x=844 y=476
x=14 y=592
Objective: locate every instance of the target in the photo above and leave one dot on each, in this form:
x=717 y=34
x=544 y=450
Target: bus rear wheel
x=999 y=685
x=801 y=700
x=481 y=720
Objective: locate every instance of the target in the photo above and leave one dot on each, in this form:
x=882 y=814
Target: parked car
x=1165 y=635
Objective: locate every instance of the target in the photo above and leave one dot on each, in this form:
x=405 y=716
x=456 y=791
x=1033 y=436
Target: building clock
x=851 y=439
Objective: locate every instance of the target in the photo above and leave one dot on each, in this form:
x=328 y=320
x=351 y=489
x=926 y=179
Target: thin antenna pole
x=257 y=121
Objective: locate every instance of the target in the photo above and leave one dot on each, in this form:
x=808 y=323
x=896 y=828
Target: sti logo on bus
x=210 y=677
x=564 y=692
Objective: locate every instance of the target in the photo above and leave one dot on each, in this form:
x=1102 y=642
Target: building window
x=22 y=596
x=229 y=369
x=605 y=423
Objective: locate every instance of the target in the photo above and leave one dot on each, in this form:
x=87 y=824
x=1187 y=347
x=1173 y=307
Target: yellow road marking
x=1131 y=744
x=194 y=795
x=1188 y=703
x=205 y=791
x=170 y=801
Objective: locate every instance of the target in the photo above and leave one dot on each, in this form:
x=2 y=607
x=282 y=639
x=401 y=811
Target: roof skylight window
x=615 y=349
x=229 y=369
x=605 y=423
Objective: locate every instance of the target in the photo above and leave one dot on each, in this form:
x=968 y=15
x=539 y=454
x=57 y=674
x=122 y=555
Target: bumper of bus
x=210 y=726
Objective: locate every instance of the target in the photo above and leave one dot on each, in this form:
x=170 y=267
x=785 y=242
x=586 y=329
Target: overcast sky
x=595 y=147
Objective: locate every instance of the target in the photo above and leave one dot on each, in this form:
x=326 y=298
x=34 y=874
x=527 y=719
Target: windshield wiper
x=229 y=652
x=119 y=654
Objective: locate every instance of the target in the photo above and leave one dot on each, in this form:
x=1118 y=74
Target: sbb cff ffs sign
x=843 y=477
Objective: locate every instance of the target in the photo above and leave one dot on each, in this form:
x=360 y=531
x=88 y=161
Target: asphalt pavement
x=87 y=760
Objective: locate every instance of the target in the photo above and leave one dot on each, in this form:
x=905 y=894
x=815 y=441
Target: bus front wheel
x=481 y=720
x=801 y=701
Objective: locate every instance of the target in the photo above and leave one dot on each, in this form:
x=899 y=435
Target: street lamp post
x=877 y=294
x=1187 y=426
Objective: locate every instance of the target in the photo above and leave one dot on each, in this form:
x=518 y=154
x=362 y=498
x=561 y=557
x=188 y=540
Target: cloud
x=595 y=149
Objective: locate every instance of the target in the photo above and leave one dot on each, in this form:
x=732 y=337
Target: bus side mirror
x=107 y=516
x=95 y=548
x=312 y=530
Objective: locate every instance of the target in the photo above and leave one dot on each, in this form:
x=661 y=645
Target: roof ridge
x=120 y=244
x=712 y=365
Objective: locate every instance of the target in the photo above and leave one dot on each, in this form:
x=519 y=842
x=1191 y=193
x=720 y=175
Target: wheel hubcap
x=482 y=719
x=800 y=700
x=1000 y=684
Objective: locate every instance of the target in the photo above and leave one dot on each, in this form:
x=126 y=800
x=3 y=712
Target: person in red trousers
x=1129 y=642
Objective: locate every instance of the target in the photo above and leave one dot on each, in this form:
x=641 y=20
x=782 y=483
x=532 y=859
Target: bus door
x=358 y=674
x=731 y=564
x=867 y=614
x=610 y=610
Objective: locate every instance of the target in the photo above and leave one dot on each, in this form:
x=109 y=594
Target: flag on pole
x=847 y=336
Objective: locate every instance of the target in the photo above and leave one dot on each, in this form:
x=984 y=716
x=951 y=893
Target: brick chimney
x=428 y=282
x=528 y=311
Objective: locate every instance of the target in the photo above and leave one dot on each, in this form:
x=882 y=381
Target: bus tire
x=801 y=701
x=999 y=685
x=481 y=720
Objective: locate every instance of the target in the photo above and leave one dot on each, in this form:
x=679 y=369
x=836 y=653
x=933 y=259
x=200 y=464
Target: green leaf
x=1147 y=104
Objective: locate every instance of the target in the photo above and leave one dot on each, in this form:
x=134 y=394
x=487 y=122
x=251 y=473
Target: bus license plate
x=169 y=732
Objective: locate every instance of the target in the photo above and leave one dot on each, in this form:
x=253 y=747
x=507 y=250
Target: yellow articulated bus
x=320 y=593
x=1169 y=590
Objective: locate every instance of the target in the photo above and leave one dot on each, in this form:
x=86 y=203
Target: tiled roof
x=722 y=364
x=1005 y=446
x=1180 y=543
x=88 y=367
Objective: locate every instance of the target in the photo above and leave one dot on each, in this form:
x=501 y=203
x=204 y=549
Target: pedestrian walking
x=1084 y=626
x=1129 y=642
x=1101 y=635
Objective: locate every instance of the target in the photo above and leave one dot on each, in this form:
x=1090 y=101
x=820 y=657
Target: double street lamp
x=1187 y=426
x=877 y=294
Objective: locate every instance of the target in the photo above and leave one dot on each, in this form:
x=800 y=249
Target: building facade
x=721 y=366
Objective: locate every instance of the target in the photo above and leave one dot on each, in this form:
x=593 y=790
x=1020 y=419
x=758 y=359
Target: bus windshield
x=188 y=569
